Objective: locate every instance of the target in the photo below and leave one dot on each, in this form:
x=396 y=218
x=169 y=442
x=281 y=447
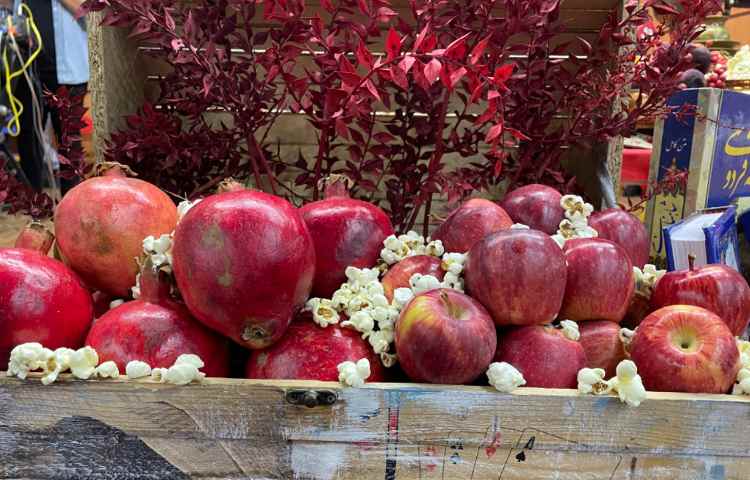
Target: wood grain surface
x=247 y=429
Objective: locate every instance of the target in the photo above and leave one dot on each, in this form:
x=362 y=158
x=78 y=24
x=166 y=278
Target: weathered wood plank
x=246 y=429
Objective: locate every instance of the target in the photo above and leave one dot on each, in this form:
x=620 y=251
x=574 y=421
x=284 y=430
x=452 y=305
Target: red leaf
x=385 y=14
x=328 y=6
x=399 y=77
x=432 y=70
x=493 y=94
x=478 y=50
x=494 y=132
x=457 y=47
x=503 y=74
x=371 y=88
x=341 y=128
x=498 y=167
x=407 y=63
x=168 y=20
x=384 y=137
x=364 y=6
x=665 y=9
x=364 y=57
x=392 y=44
x=517 y=134
x=476 y=93
x=420 y=39
x=457 y=75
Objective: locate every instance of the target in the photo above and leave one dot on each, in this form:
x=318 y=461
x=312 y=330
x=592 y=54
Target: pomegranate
x=469 y=223
x=244 y=262
x=35 y=236
x=309 y=352
x=100 y=225
x=346 y=232
x=156 y=330
x=41 y=300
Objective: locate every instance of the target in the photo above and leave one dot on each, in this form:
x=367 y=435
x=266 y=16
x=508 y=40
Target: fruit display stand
x=258 y=429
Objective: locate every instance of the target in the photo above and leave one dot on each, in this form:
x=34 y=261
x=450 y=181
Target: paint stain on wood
x=81 y=447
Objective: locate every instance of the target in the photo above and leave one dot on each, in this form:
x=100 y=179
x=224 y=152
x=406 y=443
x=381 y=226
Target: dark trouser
x=30 y=145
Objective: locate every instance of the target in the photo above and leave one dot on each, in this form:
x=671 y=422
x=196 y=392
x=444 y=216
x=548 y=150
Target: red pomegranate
x=346 y=232
x=100 y=226
x=309 y=352
x=41 y=300
x=155 y=329
x=35 y=236
x=469 y=223
x=244 y=262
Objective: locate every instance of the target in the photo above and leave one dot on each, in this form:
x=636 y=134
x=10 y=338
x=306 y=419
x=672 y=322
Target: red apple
x=545 y=357
x=683 y=348
x=624 y=229
x=444 y=336
x=718 y=288
x=469 y=223
x=398 y=275
x=518 y=275
x=600 y=280
x=600 y=340
x=537 y=206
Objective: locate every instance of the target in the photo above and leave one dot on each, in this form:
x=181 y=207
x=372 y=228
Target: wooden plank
x=246 y=429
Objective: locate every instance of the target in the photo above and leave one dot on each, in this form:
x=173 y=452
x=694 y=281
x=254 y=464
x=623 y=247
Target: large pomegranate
x=346 y=232
x=100 y=226
x=41 y=300
x=155 y=329
x=309 y=352
x=244 y=262
x=471 y=222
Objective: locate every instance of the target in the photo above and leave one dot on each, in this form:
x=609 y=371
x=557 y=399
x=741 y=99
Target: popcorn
x=744 y=348
x=136 y=369
x=323 y=311
x=116 y=303
x=435 y=248
x=158 y=374
x=626 y=337
x=504 y=377
x=559 y=239
x=381 y=340
x=645 y=280
x=361 y=321
x=570 y=330
x=107 y=370
x=453 y=262
x=388 y=359
x=519 y=226
x=422 y=283
x=742 y=387
x=628 y=384
x=575 y=207
x=398 y=248
x=357 y=303
x=354 y=374
x=591 y=381
x=158 y=249
x=402 y=296
x=136 y=290
x=374 y=290
x=190 y=359
x=182 y=374
x=184 y=207
x=23 y=359
x=83 y=362
x=452 y=280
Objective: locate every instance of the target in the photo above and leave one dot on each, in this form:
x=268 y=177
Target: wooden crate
x=122 y=75
x=248 y=429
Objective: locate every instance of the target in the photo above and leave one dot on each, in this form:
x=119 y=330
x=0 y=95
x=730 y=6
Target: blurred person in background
x=64 y=61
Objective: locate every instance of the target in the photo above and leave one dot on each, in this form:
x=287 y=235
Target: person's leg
x=30 y=147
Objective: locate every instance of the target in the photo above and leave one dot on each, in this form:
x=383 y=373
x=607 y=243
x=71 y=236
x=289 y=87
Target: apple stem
x=691 y=262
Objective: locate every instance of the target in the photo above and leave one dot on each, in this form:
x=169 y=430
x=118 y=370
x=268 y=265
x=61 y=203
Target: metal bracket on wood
x=311 y=398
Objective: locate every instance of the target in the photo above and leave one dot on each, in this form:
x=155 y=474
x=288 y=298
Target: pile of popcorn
x=159 y=250
x=627 y=383
x=742 y=387
x=576 y=223
x=362 y=298
x=645 y=280
x=84 y=365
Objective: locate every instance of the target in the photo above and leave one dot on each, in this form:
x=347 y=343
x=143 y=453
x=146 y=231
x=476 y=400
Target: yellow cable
x=15 y=105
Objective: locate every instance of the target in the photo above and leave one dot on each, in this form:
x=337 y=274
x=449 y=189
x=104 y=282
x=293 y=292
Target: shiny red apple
x=518 y=275
x=398 y=275
x=537 y=206
x=683 y=348
x=600 y=340
x=718 y=288
x=545 y=357
x=600 y=280
x=471 y=222
x=444 y=336
x=624 y=229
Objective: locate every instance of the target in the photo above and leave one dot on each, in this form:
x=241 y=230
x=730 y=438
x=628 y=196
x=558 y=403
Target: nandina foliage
x=477 y=89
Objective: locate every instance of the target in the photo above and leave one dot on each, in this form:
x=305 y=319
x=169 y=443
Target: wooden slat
x=246 y=429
